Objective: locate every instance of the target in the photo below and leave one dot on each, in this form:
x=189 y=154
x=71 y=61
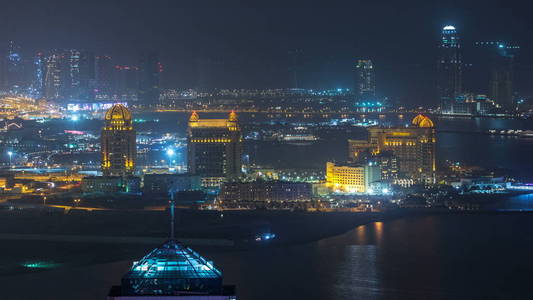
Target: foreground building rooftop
x=172 y=271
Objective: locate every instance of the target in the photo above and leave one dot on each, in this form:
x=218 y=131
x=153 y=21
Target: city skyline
x=331 y=150
x=251 y=57
x=73 y=74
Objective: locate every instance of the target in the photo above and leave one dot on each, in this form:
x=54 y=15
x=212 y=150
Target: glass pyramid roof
x=172 y=269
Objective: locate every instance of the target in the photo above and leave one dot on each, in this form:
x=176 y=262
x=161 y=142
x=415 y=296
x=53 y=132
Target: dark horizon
x=250 y=45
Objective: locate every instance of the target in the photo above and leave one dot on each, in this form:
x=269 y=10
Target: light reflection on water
x=357 y=276
x=464 y=256
x=521 y=202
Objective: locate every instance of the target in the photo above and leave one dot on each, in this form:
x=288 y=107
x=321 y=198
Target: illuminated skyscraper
x=71 y=73
x=81 y=75
x=53 y=76
x=414 y=146
x=214 y=149
x=118 y=147
x=37 y=84
x=449 y=67
x=73 y=57
x=366 y=99
x=365 y=80
x=14 y=69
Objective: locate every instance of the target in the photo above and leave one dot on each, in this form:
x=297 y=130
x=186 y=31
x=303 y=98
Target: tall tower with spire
x=449 y=67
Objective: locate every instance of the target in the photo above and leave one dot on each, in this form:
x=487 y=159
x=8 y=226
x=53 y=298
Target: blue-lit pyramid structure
x=173 y=269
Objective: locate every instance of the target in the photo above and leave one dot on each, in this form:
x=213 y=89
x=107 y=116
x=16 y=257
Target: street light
x=10 y=153
x=170 y=153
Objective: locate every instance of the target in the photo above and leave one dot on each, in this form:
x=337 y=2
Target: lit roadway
x=88 y=208
x=295 y=112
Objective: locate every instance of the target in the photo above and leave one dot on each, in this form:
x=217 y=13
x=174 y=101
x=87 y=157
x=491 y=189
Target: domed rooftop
x=448 y=27
x=232 y=116
x=422 y=121
x=118 y=112
x=194 y=117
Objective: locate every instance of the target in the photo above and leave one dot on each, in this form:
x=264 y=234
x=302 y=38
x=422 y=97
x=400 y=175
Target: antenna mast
x=172 y=203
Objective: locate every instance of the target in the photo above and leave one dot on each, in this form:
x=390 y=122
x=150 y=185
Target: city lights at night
x=230 y=150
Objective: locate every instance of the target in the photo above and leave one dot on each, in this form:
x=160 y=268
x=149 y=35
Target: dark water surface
x=474 y=256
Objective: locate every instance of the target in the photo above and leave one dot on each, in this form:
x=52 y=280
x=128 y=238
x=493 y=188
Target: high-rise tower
x=494 y=64
x=103 y=74
x=37 y=84
x=14 y=69
x=53 y=76
x=150 y=70
x=214 y=149
x=118 y=147
x=449 y=67
x=365 y=80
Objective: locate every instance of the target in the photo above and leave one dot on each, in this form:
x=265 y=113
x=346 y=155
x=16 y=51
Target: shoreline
x=205 y=228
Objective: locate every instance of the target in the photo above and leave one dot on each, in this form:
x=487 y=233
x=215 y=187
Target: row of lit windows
x=118 y=127
x=210 y=140
x=399 y=143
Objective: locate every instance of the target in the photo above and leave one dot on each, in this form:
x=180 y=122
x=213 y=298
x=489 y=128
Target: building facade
x=351 y=178
x=496 y=59
x=214 y=149
x=103 y=74
x=53 y=76
x=149 y=86
x=118 y=145
x=365 y=80
x=265 y=191
x=101 y=184
x=388 y=164
x=159 y=185
x=413 y=146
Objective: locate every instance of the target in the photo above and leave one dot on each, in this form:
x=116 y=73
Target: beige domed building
x=413 y=146
x=118 y=147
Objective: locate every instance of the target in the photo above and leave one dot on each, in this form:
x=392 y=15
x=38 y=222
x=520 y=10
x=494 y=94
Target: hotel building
x=414 y=147
x=118 y=148
x=214 y=149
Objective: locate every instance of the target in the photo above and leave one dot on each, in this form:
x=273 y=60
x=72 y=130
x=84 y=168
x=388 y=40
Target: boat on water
x=527 y=134
x=299 y=136
x=512 y=132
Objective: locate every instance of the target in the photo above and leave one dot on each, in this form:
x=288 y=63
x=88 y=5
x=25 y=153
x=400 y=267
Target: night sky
x=249 y=43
